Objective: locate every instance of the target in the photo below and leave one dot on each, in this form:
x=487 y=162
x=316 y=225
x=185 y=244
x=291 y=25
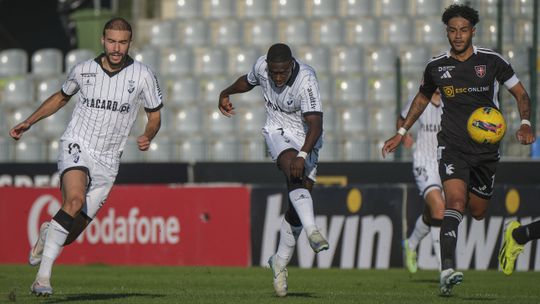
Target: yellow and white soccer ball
x=486 y=125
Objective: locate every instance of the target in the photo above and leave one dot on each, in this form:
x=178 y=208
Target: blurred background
x=369 y=56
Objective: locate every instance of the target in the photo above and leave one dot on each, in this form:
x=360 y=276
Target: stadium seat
x=226 y=32
x=425 y=8
x=191 y=149
x=354 y=149
x=253 y=149
x=486 y=8
x=224 y=148
x=287 y=8
x=52 y=150
x=30 y=149
x=54 y=125
x=163 y=33
x=486 y=33
x=6 y=148
x=46 y=88
x=176 y=61
x=414 y=58
x=382 y=120
x=46 y=62
x=186 y=120
x=396 y=30
x=18 y=92
x=410 y=82
x=381 y=89
x=356 y=8
x=326 y=85
x=150 y=56
x=329 y=150
x=185 y=9
x=390 y=8
x=259 y=32
x=361 y=31
x=381 y=60
x=294 y=32
x=182 y=90
x=75 y=56
x=375 y=146
x=13 y=62
x=327 y=31
x=518 y=56
x=352 y=119
x=131 y=153
x=321 y=8
x=241 y=60
x=522 y=32
x=349 y=89
x=193 y=32
x=522 y=9
x=210 y=61
x=251 y=120
x=430 y=30
x=211 y=87
x=347 y=59
x=217 y=123
x=219 y=9
x=316 y=57
x=253 y=8
x=161 y=149
x=329 y=118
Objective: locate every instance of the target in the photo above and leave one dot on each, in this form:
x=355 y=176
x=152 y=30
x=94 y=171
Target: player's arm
x=525 y=135
x=418 y=106
x=47 y=108
x=407 y=139
x=152 y=127
x=314 y=123
x=241 y=85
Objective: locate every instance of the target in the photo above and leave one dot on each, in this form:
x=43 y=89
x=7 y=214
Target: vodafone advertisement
x=154 y=225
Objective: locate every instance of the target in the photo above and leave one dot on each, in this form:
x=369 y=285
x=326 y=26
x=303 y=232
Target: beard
x=113 y=64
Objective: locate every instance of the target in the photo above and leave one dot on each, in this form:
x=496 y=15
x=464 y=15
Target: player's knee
x=74 y=203
x=478 y=215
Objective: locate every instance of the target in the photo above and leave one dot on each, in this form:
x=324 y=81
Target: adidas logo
x=451 y=234
x=446 y=75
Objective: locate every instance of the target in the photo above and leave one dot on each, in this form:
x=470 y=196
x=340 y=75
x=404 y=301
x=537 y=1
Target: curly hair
x=460 y=10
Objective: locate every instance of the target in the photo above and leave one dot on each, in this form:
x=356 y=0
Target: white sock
x=419 y=232
x=288 y=235
x=56 y=237
x=303 y=204
x=435 y=237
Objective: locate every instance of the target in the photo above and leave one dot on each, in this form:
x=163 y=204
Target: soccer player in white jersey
x=293 y=134
x=111 y=88
x=426 y=174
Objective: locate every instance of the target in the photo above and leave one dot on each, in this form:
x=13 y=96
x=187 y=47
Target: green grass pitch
x=145 y=284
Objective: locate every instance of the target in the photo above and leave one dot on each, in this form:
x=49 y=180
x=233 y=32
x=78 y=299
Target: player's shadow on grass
x=300 y=295
x=100 y=297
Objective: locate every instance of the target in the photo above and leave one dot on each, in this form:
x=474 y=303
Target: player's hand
x=19 y=129
x=408 y=141
x=297 y=167
x=525 y=135
x=391 y=145
x=143 y=142
x=225 y=105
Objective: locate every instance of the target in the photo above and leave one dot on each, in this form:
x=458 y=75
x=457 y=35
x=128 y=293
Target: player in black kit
x=468 y=78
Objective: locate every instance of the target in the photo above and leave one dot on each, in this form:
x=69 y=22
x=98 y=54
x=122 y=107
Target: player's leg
x=74 y=183
x=435 y=202
x=515 y=238
x=410 y=245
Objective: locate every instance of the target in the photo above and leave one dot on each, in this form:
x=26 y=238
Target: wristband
x=302 y=154
x=526 y=122
x=402 y=131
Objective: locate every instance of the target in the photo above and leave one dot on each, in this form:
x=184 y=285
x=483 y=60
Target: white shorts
x=279 y=140
x=427 y=176
x=101 y=178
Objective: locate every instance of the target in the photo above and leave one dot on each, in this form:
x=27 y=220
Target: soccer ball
x=486 y=125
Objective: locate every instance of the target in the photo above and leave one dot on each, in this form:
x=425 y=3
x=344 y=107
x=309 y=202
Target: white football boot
x=34 y=258
x=41 y=287
x=450 y=278
x=280 y=276
x=317 y=242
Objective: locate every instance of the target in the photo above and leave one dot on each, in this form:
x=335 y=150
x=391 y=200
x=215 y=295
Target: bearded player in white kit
x=112 y=87
x=293 y=135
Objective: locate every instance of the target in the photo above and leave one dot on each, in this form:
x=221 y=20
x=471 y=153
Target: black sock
x=523 y=234
x=65 y=220
x=449 y=232
x=436 y=222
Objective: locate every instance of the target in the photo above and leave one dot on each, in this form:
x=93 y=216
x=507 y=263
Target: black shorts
x=477 y=171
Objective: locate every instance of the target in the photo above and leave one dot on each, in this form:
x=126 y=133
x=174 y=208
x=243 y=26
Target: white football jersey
x=425 y=148
x=108 y=105
x=285 y=106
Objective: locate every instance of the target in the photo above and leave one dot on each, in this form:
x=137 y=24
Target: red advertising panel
x=155 y=225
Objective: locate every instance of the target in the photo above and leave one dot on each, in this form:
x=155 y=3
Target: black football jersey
x=466 y=86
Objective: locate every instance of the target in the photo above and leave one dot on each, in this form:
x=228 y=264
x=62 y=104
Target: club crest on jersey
x=131 y=86
x=89 y=79
x=480 y=70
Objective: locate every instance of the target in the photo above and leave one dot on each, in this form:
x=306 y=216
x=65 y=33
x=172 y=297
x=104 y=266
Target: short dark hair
x=460 y=10
x=119 y=24
x=279 y=52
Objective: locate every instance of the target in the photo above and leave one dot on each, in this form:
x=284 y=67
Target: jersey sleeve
x=310 y=97
x=505 y=73
x=71 y=86
x=151 y=93
x=427 y=86
x=253 y=75
x=406 y=108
